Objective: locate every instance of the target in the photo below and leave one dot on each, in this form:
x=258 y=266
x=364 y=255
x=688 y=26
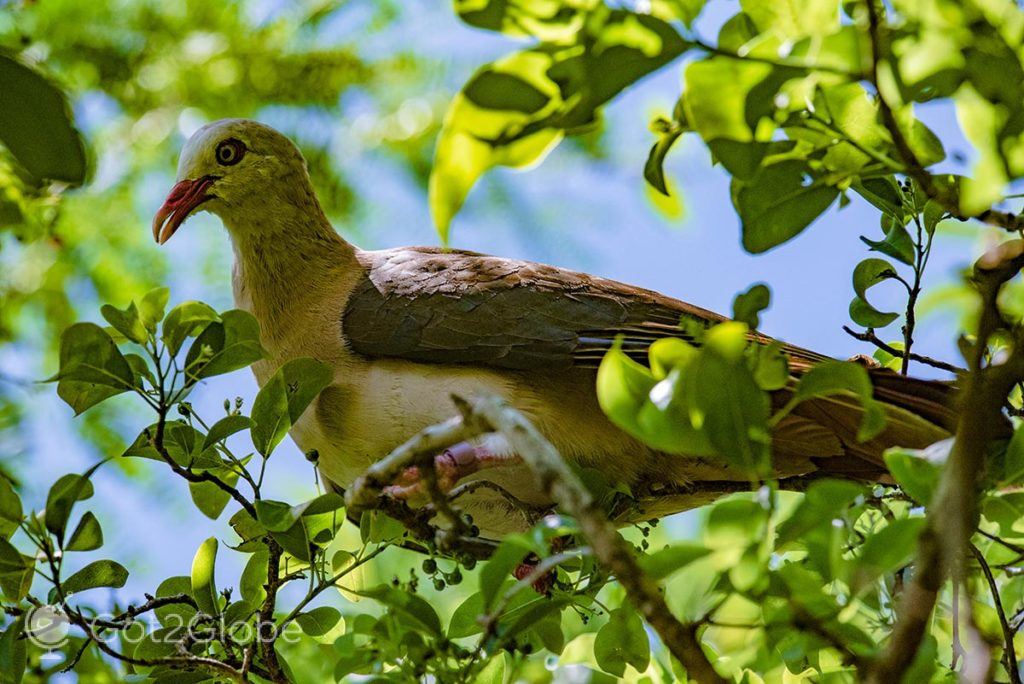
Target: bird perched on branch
x=405 y=328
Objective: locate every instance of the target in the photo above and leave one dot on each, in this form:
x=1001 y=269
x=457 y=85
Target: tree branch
x=952 y=515
x=914 y=168
x=870 y=336
x=556 y=479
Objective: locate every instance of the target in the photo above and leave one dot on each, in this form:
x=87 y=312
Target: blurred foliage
x=141 y=76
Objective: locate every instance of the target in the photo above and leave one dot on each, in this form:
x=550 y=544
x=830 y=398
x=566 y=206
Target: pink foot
x=451 y=466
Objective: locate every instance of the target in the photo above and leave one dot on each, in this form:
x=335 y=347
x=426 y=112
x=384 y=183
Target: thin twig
x=870 y=336
x=556 y=480
x=1009 y=652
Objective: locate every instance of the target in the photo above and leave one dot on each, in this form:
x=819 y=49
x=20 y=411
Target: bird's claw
x=450 y=467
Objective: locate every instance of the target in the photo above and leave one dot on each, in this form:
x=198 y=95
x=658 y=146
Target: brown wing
x=428 y=305
x=432 y=306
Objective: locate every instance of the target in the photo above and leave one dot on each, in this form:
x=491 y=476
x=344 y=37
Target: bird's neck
x=287 y=258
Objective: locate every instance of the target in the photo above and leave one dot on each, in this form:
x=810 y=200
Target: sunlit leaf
x=204 y=588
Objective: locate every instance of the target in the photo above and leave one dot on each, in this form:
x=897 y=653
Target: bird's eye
x=230 y=152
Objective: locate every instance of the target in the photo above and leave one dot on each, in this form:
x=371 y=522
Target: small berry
x=438 y=584
x=430 y=566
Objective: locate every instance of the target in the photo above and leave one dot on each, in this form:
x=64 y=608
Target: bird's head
x=230 y=167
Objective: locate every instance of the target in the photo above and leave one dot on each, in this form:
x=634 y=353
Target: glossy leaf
x=63 y=494
x=778 y=203
x=185 y=320
x=867 y=274
x=101 y=573
x=283 y=398
x=92 y=368
x=88 y=535
x=204 y=588
x=223 y=346
x=10 y=508
x=128 y=322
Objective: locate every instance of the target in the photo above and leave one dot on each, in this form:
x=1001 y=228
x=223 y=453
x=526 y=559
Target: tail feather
x=918 y=413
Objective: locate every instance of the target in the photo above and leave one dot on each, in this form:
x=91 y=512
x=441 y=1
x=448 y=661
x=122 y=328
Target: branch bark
x=556 y=479
x=952 y=515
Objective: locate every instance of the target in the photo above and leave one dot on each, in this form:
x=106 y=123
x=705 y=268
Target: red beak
x=183 y=200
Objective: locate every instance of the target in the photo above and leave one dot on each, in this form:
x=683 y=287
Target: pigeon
x=404 y=329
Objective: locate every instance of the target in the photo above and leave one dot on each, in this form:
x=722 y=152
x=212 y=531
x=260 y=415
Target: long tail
x=824 y=431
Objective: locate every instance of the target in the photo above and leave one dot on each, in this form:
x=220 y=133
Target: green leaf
x=499 y=568
x=726 y=99
x=883 y=193
x=519 y=19
x=654 y=168
x=128 y=322
x=735 y=523
x=417 y=612
x=225 y=427
x=465 y=619
x=16 y=584
x=254 y=577
x=88 y=536
x=726 y=403
x=152 y=307
x=92 y=368
x=223 y=346
x=778 y=203
x=917 y=472
x=204 y=588
x=792 y=20
x=211 y=499
x=888 y=549
x=897 y=243
x=276 y=516
x=11 y=560
x=62 y=496
x=747 y=306
x=283 y=398
x=664 y=562
x=249 y=530
x=655 y=411
x=771 y=369
x=823 y=501
x=1013 y=463
x=318 y=621
x=13 y=652
x=185 y=320
x=867 y=274
x=10 y=508
x=623 y=386
x=160 y=643
x=622 y=641
x=36 y=125
x=178 y=615
x=493 y=672
x=101 y=573
x=512 y=112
